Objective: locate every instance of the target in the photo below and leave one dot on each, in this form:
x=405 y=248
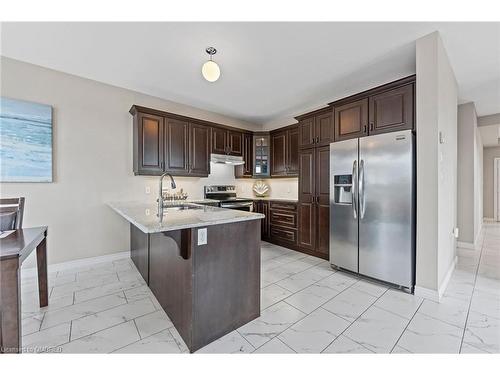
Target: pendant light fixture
x=210 y=70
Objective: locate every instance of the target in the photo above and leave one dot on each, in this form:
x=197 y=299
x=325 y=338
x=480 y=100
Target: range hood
x=227 y=159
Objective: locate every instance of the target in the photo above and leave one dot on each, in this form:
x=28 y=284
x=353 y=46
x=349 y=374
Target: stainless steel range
x=226 y=196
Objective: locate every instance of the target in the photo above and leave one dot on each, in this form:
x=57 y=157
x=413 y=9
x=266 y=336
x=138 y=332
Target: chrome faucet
x=160 y=194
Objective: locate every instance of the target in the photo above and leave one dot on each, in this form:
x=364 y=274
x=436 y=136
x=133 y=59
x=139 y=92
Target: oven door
x=242 y=206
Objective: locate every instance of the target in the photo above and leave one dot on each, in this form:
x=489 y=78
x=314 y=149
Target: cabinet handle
x=371 y=126
x=317 y=139
x=364 y=129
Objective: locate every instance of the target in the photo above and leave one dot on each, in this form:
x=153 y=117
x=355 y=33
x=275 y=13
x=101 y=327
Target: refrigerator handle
x=355 y=189
x=362 y=205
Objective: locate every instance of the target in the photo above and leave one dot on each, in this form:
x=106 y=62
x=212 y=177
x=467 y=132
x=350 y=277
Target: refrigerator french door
x=372 y=207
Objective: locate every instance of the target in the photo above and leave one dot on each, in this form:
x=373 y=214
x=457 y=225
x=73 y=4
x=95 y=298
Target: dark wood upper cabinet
x=219 y=141
x=324 y=129
x=235 y=143
x=293 y=151
x=307 y=136
x=351 y=120
x=261 y=154
x=176 y=146
x=148 y=144
x=166 y=142
x=386 y=108
x=199 y=146
x=284 y=152
x=228 y=142
x=392 y=110
x=278 y=154
x=316 y=128
x=246 y=170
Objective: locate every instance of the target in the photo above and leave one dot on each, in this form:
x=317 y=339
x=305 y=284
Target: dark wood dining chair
x=11 y=213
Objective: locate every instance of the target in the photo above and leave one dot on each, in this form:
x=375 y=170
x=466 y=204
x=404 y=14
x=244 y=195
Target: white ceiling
x=270 y=71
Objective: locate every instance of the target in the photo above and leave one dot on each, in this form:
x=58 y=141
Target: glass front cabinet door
x=261 y=154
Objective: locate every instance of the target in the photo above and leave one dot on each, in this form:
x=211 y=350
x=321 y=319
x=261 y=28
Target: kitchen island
x=202 y=263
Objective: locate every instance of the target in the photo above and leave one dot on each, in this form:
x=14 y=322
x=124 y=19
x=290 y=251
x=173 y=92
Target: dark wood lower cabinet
x=307 y=225
x=265 y=221
x=206 y=290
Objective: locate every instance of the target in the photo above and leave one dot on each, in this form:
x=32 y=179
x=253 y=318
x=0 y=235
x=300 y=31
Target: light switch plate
x=148 y=190
x=202 y=236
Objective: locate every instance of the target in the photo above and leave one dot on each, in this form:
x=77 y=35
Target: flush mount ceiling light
x=210 y=69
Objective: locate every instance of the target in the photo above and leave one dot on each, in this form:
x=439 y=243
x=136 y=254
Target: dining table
x=15 y=247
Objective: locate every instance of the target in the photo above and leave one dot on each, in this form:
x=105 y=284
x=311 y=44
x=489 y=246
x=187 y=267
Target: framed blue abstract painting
x=25 y=141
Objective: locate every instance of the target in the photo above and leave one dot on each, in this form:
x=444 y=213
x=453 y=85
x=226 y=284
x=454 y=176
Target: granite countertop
x=143 y=216
x=273 y=199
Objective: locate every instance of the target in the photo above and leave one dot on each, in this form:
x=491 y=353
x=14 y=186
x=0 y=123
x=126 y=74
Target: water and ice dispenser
x=342 y=189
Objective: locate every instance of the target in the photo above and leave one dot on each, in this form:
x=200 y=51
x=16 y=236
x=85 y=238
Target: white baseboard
x=435 y=295
x=447 y=277
x=28 y=272
x=477 y=241
x=420 y=291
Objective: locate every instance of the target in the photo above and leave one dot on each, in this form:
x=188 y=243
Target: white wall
x=467 y=125
x=436 y=101
x=447 y=169
x=470 y=185
x=478 y=187
x=92 y=159
x=490 y=153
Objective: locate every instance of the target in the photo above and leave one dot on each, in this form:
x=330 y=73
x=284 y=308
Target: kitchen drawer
x=284 y=218
x=283 y=234
x=286 y=206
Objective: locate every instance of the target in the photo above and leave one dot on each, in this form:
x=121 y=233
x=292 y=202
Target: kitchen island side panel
x=171 y=279
x=210 y=289
x=226 y=280
x=139 y=251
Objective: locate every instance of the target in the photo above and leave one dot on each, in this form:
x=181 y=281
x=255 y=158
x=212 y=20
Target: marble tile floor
x=307 y=307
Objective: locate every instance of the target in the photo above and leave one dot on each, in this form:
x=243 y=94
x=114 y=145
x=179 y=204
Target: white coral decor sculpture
x=260 y=188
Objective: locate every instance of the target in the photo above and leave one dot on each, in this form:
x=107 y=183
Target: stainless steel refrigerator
x=372 y=207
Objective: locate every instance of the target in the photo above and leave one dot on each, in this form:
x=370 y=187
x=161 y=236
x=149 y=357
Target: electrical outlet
x=148 y=190
x=202 y=236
